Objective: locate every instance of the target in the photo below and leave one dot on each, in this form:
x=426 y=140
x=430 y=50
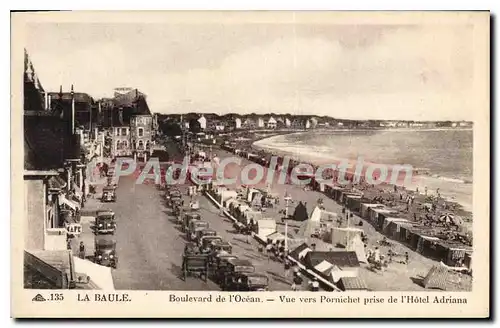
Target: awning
x=99 y=274
x=71 y=204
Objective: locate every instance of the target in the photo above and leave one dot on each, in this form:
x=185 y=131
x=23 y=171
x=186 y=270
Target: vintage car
x=173 y=194
x=106 y=212
x=236 y=276
x=219 y=264
x=188 y=217
x=221 y=246
x=206 y=242
x=195 y=264
x=202 y=233
x=108 y=194
x=105 y=223
x=105 y=252
x=191 y=249
x=247 y=282
x=194 y=227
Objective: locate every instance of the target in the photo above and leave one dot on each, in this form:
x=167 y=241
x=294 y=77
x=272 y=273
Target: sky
x=413 y=72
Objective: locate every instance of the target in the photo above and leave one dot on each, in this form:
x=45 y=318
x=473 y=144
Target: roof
x=47 y=142
x=353 y=283
x=102 y=240
x=240 y=262
x=341 y=259
x=301 y=249
x=66 y=96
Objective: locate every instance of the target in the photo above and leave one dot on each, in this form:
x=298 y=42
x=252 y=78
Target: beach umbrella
x=451 y=218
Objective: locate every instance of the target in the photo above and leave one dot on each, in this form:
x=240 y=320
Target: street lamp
x=287 y=199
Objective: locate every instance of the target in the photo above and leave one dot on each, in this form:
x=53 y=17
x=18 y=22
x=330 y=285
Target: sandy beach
x=398 y=276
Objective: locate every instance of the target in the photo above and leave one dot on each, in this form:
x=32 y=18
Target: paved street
x=150 y=245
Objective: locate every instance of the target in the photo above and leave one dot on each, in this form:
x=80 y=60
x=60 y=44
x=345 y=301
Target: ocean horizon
x=446 y=155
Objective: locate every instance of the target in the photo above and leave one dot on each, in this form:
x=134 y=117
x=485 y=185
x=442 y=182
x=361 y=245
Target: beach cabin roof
x=299 y=253
x=325 y=261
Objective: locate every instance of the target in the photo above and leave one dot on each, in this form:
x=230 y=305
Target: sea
x=443 y=157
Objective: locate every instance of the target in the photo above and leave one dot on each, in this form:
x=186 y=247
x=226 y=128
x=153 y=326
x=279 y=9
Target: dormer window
x=140 y=132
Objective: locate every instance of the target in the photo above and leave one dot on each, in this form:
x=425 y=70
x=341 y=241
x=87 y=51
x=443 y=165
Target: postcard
x=267 y=164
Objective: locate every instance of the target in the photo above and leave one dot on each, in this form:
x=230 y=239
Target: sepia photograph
x=250 y=154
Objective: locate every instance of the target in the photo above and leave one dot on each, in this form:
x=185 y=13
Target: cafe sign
x=74 y=228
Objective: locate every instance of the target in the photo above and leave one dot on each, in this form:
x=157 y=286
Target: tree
x=194 y=126
x=170 y=128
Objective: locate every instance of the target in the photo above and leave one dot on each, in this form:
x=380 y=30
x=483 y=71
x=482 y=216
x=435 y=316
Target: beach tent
x=228 y=194
x=300 y=213
x=257 y=199
x=299 y=253
x=357 y=245
x=380 y=214
x=333 y=265
x=390 y=227
x=230 y=202
x=344 y=236
x=353 y=202
x=427 y=246
x=265 y=227
x=453 y=253
x=439 y=277
x=250 y=194
x=319 y=215
x=365 y=209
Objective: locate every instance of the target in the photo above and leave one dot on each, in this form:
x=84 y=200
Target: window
x=140 y=145
x=117 y=131
x=124 y=131
x=140 y=132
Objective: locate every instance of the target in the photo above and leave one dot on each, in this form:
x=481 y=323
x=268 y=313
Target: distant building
x=203 y=122
x=271 y=123
x=288 y=123
x=313 y=122
x=219 y=127
x=248 y=124
x=260 y=123
x=308 y=124
x=340 y=124
x=129 y=124
x=237 y=123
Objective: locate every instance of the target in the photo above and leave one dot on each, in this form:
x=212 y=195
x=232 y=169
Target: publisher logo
x=38 y=298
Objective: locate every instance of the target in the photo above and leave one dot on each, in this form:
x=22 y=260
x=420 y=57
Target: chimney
x=49 y=102
x=72 y=110
x=46 y=98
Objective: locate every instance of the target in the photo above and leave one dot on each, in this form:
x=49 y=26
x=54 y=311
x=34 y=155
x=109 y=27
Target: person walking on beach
x=426 y=191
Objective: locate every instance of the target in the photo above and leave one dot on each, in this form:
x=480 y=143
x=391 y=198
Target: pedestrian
x=297 y=282
x=82 y=250
x=269 y=249
x=248 y=234
x=314 y=285
x=69 y=243
x=407 y=258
